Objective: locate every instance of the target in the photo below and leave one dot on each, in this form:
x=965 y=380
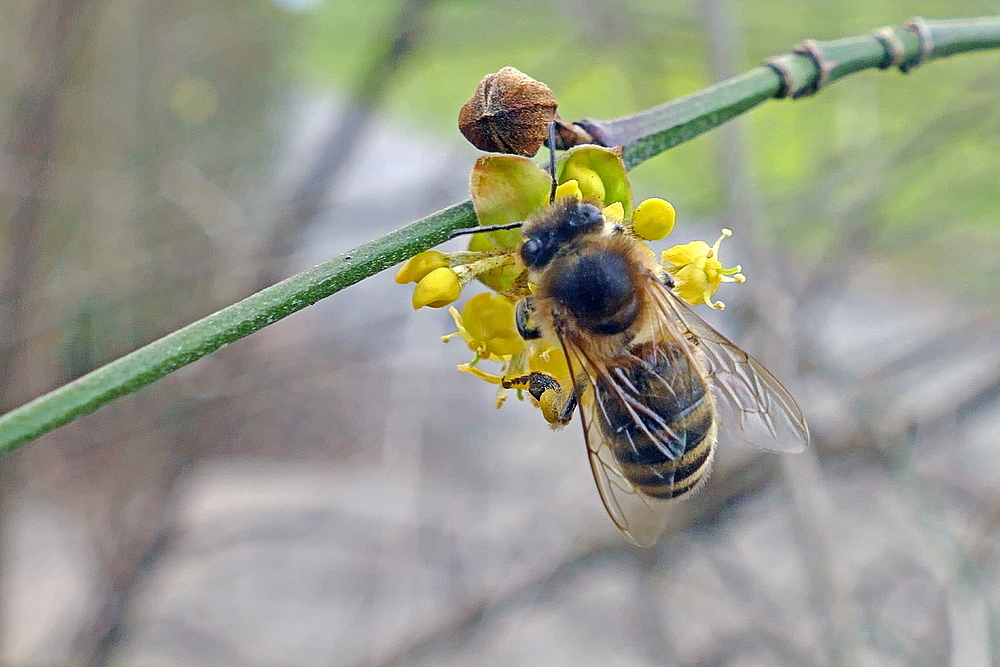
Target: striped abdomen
x=656 y=412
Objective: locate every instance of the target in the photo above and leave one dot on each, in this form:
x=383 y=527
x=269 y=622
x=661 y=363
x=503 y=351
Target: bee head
x=559 y=224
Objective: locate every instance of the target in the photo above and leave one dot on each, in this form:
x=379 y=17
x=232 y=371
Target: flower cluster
x=508 y=189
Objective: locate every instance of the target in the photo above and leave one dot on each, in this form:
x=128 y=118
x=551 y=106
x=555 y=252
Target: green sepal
x=505 y=189
x=607 y=162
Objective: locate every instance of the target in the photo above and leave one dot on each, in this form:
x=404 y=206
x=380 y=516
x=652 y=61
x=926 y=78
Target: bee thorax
x=598 y=293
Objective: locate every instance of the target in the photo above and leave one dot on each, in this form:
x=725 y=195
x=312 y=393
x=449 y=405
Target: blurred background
x=331 y=491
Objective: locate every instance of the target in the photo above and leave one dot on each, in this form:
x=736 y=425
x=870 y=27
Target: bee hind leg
x=556 y=403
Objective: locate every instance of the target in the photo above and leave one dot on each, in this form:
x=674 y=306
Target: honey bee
x=655 y=385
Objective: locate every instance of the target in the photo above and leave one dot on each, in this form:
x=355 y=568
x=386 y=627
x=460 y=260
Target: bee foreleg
x=522 y=317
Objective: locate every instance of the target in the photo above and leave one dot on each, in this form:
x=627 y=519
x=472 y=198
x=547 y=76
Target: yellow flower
x=549 y=360
x=653 y=219
x=420 y=265
x=697 y=271
x=437 y=289
x=487 y=326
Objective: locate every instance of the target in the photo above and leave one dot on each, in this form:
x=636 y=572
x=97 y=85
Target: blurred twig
x=341 y=141
x=812 y=506
x=971 y=621
x=97 y=644
x=35 y=133
x=478 y=617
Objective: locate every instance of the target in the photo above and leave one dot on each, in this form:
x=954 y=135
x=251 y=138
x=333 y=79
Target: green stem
x=642 y=136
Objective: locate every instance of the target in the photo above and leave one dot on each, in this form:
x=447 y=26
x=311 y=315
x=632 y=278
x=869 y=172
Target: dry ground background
x=330 y=491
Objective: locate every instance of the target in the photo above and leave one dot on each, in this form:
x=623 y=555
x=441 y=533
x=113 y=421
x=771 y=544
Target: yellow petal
x=506 y=346
x=550 y=360
x=689 y=253
x=691 y=284
x=615 y=212
x=489 y=320
x=488 y=315
x=570 y=188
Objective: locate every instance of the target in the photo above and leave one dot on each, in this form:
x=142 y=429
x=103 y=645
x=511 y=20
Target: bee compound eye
x=530 y=251
x=586 y=216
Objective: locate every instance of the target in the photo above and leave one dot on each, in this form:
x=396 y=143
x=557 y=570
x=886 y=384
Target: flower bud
x=653 y=219
x=590 y=182
x=437 y=289
x=420 y=265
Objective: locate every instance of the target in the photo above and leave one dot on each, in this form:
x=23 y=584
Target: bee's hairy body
x=649 y=398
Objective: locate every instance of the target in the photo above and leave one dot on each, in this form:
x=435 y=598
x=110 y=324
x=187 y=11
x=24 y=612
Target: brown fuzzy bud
x=509 y=113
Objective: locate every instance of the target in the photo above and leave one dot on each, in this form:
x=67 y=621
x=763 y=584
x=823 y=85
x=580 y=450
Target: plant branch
x=641 y=135
x=804 y=71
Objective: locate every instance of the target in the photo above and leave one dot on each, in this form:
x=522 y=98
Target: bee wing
x=639 y=517
x=753 y=406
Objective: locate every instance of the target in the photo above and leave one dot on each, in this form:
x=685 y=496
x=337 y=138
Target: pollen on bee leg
x=501 y=397
x=546 y=394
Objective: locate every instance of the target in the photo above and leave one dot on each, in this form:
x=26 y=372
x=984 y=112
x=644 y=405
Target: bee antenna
x=490 y=228
x=551 y=143
x=552 y=160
